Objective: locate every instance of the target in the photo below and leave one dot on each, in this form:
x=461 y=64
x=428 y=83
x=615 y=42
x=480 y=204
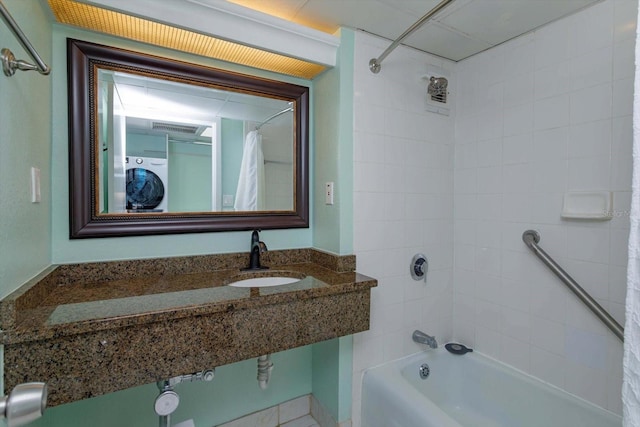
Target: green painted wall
x=189 y=177
x=69 y=251
x=333 y=225
x=142 y=145
x=332 y=369
x=333 y=121
x=35 y=236
x=234 y=392
x=345 y=135
x=25 y=120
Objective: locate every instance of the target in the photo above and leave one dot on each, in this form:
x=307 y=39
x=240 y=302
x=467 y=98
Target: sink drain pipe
x=265 y=366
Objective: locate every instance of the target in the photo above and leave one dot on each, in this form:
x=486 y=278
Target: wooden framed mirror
x=159 y=146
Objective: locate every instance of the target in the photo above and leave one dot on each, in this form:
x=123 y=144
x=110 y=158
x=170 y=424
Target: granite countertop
x=114 y=317
x=78 y=298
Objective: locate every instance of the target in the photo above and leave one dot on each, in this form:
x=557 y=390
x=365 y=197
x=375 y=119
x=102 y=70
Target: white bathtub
x=469 y=391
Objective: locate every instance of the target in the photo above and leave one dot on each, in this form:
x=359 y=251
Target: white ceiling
x=145 y=100
x=463 y=28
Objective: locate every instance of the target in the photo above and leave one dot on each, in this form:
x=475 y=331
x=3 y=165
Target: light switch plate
x=328 y=192
x=35 y=185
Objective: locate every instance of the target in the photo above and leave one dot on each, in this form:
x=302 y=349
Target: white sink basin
x=259 y=282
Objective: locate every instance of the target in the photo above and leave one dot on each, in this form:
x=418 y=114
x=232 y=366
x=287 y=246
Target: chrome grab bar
x=531 y=239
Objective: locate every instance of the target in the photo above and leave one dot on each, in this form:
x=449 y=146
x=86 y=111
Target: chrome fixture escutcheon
x=419 y=267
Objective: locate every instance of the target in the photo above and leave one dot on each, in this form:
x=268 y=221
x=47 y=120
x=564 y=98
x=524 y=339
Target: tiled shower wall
x=546 y=113
x=403 y=204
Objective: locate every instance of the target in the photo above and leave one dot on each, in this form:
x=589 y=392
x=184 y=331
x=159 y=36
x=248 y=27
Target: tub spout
x=422 y=338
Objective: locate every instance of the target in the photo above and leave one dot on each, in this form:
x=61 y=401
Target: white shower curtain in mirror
x=631 y=361
x=250 y=192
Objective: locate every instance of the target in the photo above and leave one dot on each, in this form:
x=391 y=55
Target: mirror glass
x=160 y=146
x=174 y=147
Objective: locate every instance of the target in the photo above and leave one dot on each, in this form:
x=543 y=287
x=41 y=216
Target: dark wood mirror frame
x=84 y=59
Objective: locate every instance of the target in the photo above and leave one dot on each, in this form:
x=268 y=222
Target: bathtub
x=469 y=391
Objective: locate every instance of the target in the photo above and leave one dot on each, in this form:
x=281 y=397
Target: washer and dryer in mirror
x=147 y=184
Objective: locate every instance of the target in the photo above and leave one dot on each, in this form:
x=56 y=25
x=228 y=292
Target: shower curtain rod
x=376 y=63
x=9 y=62
x=274 y=116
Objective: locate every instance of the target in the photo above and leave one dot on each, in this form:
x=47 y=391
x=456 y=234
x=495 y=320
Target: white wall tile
x=550 y=176
x=538 y=116
x=625 y=16
x=566 y=126
x=489 y=124
x=519 y=56
x=586 y=349
x=488 y=153
x=590 y=139
x=552 y=80
x=551 y=44
x=548 y=335
x=517 y=178
x=550 y=144
x=622 y=97
x=588 y=244
x=403 y=191
x=514 y=296
x=488 y=180
x=547 y=366
x=518 y=119
x=622 y=142
x=517 y=324
x=518 y=90
x=591 y=29
x=552 y=112
x=593 y=103
x=591 y=69
x=517 y=148
x=589 y=173
x=488 y=207
x=516 y=352
x=623 y=58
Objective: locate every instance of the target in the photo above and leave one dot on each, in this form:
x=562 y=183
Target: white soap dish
x=594 y=205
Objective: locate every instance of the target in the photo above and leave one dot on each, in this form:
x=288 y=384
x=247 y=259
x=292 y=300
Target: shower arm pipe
x=531 y=239
x=10 y=64
x=376 y=63
x=286 y=110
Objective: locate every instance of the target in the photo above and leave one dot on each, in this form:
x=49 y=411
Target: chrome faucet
x=422 y=338
x=257 y=247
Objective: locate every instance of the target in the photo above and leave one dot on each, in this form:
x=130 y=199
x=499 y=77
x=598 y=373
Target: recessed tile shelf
x=594 y=205
x=94 y=328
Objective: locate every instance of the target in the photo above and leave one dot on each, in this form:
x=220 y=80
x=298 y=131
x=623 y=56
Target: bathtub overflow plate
x=424 y=371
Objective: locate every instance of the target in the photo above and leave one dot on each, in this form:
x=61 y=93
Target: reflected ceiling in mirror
x=160 y=146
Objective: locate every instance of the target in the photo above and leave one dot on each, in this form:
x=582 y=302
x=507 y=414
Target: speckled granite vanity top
x=76 y=298
x=75 y=311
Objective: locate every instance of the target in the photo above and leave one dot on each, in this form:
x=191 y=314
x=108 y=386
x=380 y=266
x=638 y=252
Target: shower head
x=437 y=86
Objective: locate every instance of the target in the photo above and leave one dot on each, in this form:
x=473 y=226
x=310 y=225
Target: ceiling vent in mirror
x=170 y=127
x=438 y=100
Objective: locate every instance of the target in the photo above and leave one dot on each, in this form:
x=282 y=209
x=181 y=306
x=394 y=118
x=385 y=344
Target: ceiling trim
x=234 y=23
